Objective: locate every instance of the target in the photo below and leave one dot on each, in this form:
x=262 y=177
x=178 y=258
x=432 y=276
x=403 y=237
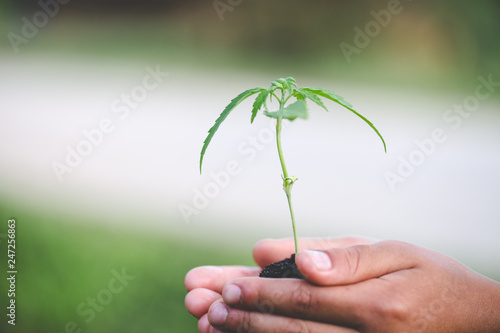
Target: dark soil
x=282 y=269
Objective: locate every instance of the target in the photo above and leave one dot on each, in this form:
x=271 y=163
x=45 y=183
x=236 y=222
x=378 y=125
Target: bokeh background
x=136 y=205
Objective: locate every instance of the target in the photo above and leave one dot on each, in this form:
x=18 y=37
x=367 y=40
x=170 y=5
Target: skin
x=352 y=285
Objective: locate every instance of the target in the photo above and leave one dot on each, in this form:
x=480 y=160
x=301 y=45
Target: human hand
x=205 y=284
x=384 y=287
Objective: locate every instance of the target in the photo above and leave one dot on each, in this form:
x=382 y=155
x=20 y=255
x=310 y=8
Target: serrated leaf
x=284 y=84
x=295 y=110
x=306 y=92
x=277 y=84
x=234 y=102
x=290 y=84
x=298 y=95
x=259 y=101
x=338 y=99
x=291 y=81
x=330 y=95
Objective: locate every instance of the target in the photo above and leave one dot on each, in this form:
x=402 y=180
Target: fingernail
x=231 y=294
x=319 y=259
x=218 y=314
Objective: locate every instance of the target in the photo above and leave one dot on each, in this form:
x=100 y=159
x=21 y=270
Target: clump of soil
x=282 y=269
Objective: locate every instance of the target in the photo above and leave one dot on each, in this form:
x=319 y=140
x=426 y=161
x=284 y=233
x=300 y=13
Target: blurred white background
x=145 y=172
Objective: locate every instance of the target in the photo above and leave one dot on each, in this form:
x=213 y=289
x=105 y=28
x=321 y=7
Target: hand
x=205 y=283
x=383 y=287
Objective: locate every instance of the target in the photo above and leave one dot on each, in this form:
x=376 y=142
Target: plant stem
x=287 y=181
x=289 y=198
x=280 y=150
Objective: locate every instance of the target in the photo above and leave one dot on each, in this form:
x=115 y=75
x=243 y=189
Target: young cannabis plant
x=282 y=90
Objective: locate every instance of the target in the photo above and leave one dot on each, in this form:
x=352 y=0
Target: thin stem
x=280 y=151
x=286 y=100
x=287 y=181
x=289 y=198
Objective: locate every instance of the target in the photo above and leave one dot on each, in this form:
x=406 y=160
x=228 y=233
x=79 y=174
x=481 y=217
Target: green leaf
x=234 y=102
x=290 y=84
x=259 y=101
x=277 y=84
x=330 y=95
x=291 y=112
x=338 y=99
x=306 y=92
x=284 y=85
x=298 y=95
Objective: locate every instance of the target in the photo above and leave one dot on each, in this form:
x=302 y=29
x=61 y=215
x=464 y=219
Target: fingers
x=203 y=324
x=231 y=320
x=205 y=287
x=198 y=301
x=215 y=277
x=339 y=305
x=268 y=251
x=340 y=266
x=351 y=273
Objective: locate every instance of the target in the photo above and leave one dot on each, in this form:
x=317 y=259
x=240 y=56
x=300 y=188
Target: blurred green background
x=120 y=209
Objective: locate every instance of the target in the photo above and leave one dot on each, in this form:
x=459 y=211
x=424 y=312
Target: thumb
x=340 y=266
x=268 y=251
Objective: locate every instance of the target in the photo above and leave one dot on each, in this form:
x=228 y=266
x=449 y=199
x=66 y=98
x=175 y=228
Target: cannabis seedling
x=283 y=90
